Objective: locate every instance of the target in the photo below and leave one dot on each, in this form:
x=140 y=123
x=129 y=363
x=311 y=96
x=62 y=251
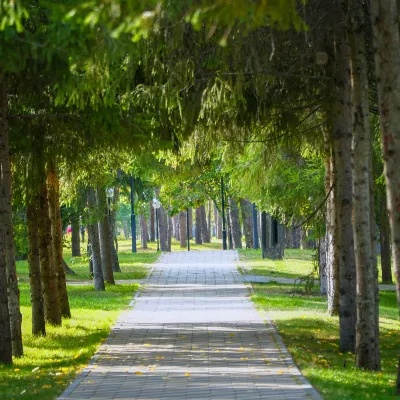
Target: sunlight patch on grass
x=50 y=363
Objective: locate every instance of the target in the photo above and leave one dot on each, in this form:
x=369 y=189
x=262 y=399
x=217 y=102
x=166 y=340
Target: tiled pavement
x=192 y=334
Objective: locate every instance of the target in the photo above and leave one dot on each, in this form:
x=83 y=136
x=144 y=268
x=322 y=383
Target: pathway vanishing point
x=192 y=334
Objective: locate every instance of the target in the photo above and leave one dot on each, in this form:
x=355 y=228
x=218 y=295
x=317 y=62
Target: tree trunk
x=113 y=232
x=144 y=231
x=386 y=262
x=332 y=262
x=209 y=219
x=289 y=238
x=367 y=331
x=176 y=230
x=67 y=269
x=170 y=231
x=386 y=39
x=342 y=137
x=190 y=223
x=218 y=223
x=247 y=219
x=198 y=226
x=229 y=231
x=163 y=228
x=205 y=233
x=75 y=242
x=152 y=228
x=93 y=234
x=5 y=327
x=182 y=229
x=104 y=236
x=35 y=280
x=56 y=230
x=235 y=224
x=322 y=255
x=47 y=264
x=6 y=220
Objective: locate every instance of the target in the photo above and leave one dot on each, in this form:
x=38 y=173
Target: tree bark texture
x=144 y=231
x=386 y=41
x=386 y=262
x=170 y=232
x=367 y=328
x=152 y=228
x=113 y=230
x=93 y=233
x=190 y=223
x=104 y=236
x=53 y=189
x=245 y=207
x=235 y=224
x=6 y=220
x=163 y=228
x=75 y=240
x=205 y=232
x=342 y=138
x=209 y=226
x=47 y=267
x=35 y=280
x=323 y=276
x=218 y=223
x=175 y=225
x=5 y=327
x=198 y=239
x=182 y=229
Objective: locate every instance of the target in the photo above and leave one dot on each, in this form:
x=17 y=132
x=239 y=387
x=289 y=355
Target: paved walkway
x=192 y=334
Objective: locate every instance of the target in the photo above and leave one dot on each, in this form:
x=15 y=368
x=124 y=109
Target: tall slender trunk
x=56 y=230
x=35 y=280
x=218 y=223
x=386 y=262
x=322 y=257
x=152 y=228
x=113 y=231
x=93 y=233
x=75 y=240
x=170 y=229
x=182 y=229
x=342 y=138
x=245 y=207
x=104 y=236
x=229 y=231
x=209 y=226
x=205 y=233
x=176 y=230
x=5 y=326
x=235 y=224
x=367 y=342
x=198 y=226
x=6 y=220
x=190 y=223
x=47 y=267
x=163 y=228
x=144 y=231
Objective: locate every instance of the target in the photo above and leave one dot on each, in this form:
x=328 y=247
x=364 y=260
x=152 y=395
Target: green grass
x=50 y=363
x=133 y=266
x=297 y=263
x=311 y=336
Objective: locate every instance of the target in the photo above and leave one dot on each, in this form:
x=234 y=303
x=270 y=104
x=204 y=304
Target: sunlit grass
x=50 y=363
x=312 y=337
x=133 y=265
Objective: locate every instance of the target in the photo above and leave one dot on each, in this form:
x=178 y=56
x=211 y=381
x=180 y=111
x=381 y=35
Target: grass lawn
x=133 y=266
x=296 y=263
x=50 y=363
x=311 y=336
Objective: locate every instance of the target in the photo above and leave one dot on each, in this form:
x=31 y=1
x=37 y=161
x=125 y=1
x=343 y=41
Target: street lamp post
x=224 y=246
x=156 y=206
x=133 y=217
x=110 y=195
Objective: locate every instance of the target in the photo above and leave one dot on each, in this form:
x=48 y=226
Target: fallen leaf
x=16 y=370
x=244 y=358
x=146 y=345
x=46 y=386
x=160 y=357
x=231 y=334
x=187 y=374
x=35 y=369
x=138 y=373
